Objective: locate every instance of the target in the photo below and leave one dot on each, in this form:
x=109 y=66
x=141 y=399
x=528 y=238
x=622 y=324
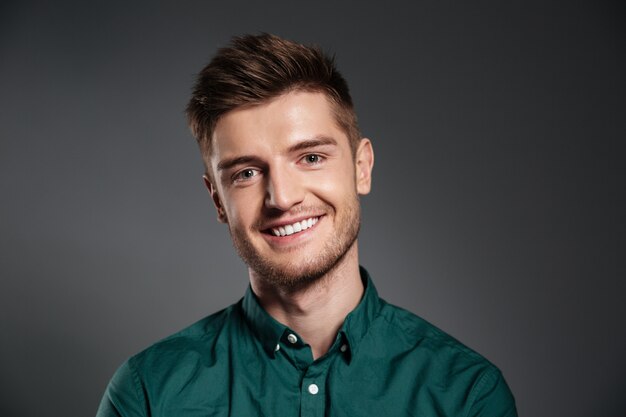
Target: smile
x=290 y=229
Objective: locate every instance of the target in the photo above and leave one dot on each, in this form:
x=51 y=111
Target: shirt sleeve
x=491 y=397
x=124 y=395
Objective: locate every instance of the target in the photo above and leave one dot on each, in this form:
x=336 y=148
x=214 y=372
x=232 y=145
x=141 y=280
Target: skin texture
x=284 y=161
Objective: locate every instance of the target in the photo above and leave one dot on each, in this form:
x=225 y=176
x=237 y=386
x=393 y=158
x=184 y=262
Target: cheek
x=334 y=184
x=243 y=206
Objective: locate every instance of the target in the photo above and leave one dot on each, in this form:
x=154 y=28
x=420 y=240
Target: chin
x=293 y=275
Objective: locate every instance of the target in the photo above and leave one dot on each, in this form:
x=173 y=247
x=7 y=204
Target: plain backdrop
x=497 y=210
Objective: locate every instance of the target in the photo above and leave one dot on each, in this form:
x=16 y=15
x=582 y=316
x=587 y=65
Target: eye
x=246 y=174
x=312 y=159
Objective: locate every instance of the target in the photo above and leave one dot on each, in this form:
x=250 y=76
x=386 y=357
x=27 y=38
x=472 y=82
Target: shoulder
x=194 y=340
x=429 y=343
x=416 y=330
x=147 y=376
x=446 y=365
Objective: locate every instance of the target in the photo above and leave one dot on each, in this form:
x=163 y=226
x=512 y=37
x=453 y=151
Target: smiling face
x=287 y=183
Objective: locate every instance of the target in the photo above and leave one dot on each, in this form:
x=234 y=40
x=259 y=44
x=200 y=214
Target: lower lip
x=295 y=237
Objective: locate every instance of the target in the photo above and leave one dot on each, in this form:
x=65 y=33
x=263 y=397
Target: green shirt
x=385 y=361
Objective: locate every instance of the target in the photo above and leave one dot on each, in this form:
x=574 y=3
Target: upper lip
x=285 y=222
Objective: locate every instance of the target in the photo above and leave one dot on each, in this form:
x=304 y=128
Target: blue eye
x=246 y=174
x=312 y=159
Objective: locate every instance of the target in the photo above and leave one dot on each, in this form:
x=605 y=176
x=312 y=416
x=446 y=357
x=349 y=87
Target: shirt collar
x=358 y=322
x=264 y=327
x=269 y=331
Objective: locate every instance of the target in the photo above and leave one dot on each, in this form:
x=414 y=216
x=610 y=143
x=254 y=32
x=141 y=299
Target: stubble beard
x=302 y=272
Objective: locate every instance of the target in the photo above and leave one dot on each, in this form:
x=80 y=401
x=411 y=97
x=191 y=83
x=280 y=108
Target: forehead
x=276 y=125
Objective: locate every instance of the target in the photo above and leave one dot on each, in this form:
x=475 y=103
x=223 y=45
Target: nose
x=284 y=190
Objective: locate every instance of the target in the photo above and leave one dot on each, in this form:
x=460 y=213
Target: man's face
x=286 y=183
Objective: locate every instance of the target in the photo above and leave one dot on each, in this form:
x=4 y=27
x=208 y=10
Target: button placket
x=312 y=389
x=312 y=398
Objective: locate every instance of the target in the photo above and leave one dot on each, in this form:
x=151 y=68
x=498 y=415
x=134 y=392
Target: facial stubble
x=302 y=272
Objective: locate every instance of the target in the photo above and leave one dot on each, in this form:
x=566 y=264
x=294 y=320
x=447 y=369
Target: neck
x=317 y=311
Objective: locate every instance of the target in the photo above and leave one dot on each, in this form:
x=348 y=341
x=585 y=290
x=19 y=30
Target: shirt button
x=292 y=338
x=313 y=389
x=343 y=348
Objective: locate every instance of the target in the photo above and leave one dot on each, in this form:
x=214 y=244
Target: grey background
x=497 y=211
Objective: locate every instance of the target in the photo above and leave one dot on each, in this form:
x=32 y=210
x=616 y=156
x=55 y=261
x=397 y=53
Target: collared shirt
x=385 y=361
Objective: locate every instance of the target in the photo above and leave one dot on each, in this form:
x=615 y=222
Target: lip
x=295 y=238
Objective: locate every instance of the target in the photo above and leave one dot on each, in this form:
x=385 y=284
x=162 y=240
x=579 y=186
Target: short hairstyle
x=257 y=68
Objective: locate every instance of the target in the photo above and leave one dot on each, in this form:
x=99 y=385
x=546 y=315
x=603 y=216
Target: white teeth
x=290 y=229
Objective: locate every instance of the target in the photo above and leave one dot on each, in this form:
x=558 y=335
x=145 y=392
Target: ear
x=364 y=163
x=221 y=213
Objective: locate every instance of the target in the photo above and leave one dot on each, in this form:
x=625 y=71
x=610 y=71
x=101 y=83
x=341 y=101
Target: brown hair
x=256 y=68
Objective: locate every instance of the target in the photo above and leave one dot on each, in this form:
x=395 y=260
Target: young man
x=285 y=165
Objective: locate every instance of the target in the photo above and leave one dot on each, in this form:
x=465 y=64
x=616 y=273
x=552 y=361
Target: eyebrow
x=312 y=143
x=305 y=144
x=231 y=162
